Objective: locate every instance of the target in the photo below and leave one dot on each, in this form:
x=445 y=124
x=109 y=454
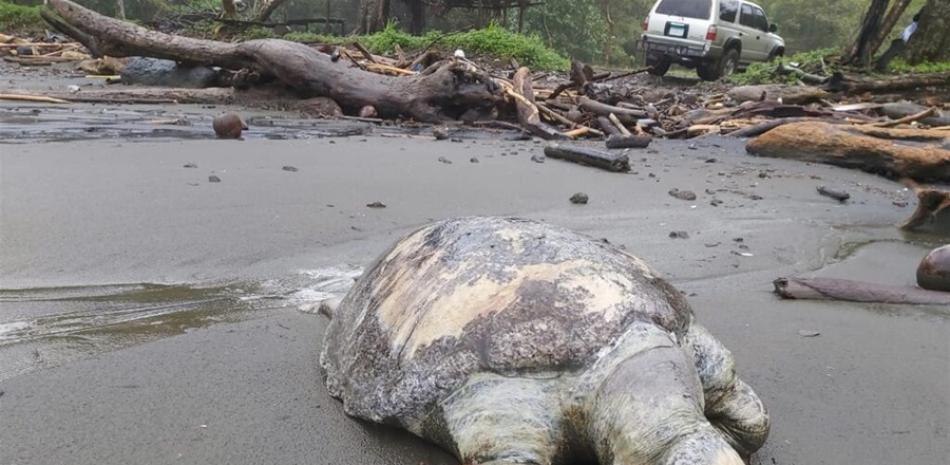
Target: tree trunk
x=120 y=9
x=441 y=93
x=266 y=8
x=417 y=12
x=860 y=52
x=931 y=42
x=229 y=9
x=893 y=15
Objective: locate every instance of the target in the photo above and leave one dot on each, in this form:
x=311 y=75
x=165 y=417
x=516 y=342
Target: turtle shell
x=501 y=295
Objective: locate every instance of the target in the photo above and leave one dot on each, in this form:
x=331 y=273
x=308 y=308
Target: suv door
x=753 y=40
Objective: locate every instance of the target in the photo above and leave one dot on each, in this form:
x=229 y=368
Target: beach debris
x=932 y=212
x=934 y=270
x=445 y=160
x=617 y=162
x=376 y=204
x=440 y=133
x=628 y=142
x=190 y=165
x=473 y=160
x=809 y=333
x=368 y=111
x=214 y=178
x=292 y=169
x=679 y=235
x=688 y=196
x=836 y=194
x=856 y=291
x=228 y=125
x=580 y=198
x=537 y=158
x=919 y=154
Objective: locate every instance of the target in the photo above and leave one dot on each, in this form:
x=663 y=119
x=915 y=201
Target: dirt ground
x=149 y=315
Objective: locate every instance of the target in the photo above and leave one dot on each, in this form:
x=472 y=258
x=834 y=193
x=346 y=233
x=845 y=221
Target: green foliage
x=492 y=40
x=19 y=18
x=899 y=65
x=815 y=62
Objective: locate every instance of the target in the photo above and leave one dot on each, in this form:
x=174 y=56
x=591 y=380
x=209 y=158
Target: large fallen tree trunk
x=915 y=153
x=443 y=92
x=840 y=82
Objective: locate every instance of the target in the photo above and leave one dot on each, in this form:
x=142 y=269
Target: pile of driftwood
x=32 y=53
x=624 y=109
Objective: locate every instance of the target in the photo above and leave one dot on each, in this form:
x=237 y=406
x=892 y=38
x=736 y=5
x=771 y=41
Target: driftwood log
x=932 y=213
x=528 y=114
x=856 y=291
x=855 y=84
x=442 y=92
x=616 y=162
x=915 y=153
x=632 y=141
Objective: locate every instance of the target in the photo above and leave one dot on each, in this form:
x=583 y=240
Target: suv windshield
x=698 y=9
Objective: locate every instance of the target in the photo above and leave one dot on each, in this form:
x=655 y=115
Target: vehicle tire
x=708 y=71
x=659 y=67
x=728 y=63
x=777 y=53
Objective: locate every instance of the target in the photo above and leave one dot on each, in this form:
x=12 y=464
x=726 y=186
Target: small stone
x=290 y=168
x=445 y=160
x=190 y=165
x=679 y=235
x=376 y=204
x=368 y=111
x=457 y=140
x=214 y=178
x=692 y=147
x=473 y=160
x=836 y=194
x=440 y=133
x=579 y=198
x=711 y=160
x=688 y=196
x=900 y=204
x=808 y=333
x=537 y=158
x=228 y=126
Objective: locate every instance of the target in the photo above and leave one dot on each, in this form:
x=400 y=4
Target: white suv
x=716 y=37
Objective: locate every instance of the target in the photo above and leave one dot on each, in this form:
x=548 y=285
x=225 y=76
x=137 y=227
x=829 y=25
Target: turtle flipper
x=730 y=404
x=500 y=421
x=649 y=410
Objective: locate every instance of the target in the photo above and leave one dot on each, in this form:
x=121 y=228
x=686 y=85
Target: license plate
x=677 y=30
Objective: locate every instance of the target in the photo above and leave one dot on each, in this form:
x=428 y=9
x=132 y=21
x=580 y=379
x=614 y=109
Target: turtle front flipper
x=499 y=420
x=731 y=405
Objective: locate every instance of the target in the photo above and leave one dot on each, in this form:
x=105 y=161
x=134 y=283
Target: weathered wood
x=608 y=126
x=840 y=82
x=628 y=141
x=625 y=115
x=31 y=98
x=766 y=126
x=855 y=291
x=908 y=119
x=528 y=114
x=444 y=93
x=915 y=153
x=933 y=211
x=617 y=162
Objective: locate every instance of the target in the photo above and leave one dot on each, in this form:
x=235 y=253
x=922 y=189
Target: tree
x=931 y=42
x=860 y=53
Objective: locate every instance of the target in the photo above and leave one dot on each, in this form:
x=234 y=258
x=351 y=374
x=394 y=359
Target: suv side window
x=760 y=21
x=728 y=10
x=747 y=18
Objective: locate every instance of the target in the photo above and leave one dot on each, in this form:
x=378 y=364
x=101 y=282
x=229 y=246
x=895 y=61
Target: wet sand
x=873 y=387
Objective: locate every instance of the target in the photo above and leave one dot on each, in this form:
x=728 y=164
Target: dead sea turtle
x=508 y=341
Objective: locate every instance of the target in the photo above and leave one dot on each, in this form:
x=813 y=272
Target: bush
x=19 y=18
x=493 y=40
x=764 y=72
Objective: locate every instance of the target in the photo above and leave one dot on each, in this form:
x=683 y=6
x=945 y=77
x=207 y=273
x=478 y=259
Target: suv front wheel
x=725 y=66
